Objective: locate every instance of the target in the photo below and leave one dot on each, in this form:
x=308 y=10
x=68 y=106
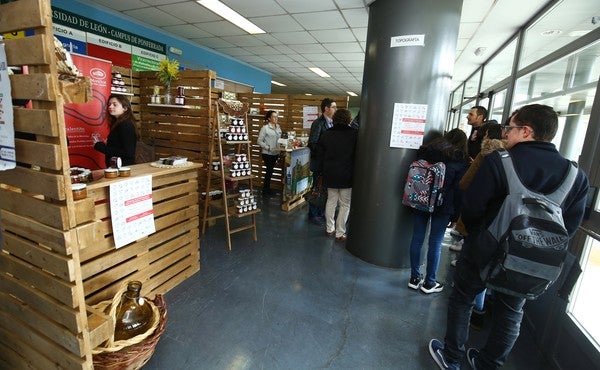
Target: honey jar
x=124 y=172
x=79 y=191
x=111 y=173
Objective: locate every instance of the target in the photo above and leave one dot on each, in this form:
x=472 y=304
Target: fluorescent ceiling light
x=277 y=83
x=319 y=71
x=308 y=94
x=231 y=15
x=578 y=33
x=351 y=93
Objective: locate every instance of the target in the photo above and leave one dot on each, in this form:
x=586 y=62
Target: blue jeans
x=480 y=301
x=436 y=234
x=508 y=313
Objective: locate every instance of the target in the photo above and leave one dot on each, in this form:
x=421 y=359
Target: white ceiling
x=329 y=34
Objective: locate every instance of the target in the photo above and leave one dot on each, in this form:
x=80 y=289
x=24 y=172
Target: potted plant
x=168 y=70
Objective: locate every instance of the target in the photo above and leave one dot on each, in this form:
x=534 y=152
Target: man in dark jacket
x=542 y=169
x=475 y=119
x=320 y=125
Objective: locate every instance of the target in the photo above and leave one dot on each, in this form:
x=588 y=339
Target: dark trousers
x=314 y=211
x=507 y=311
x=269 y=161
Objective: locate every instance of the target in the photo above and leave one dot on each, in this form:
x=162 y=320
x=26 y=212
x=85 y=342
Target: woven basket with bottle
x=134 y=352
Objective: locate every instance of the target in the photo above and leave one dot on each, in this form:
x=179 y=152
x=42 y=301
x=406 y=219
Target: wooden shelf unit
x=218 y=149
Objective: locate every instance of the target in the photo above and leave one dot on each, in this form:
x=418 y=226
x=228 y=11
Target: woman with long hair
x=123 y=135
x=451 y=149
x=267 y=139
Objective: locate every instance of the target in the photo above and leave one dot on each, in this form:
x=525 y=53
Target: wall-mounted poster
x=131 y=209
x=309 y=114
x=408 y=125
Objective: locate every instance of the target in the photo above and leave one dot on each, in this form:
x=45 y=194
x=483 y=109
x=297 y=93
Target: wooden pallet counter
x=161 y=260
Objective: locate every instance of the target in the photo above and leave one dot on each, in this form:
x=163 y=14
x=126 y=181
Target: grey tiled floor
x=296 y=299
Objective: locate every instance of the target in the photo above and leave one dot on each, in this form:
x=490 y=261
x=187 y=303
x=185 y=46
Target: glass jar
x=134 y=315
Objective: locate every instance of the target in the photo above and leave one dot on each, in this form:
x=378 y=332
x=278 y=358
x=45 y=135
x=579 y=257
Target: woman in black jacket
x=451 y=149
x=123 y=136
x=337 y=146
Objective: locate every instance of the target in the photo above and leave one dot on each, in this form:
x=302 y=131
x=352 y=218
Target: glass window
x=472 y=86
x=585 y=299
x=554 y=30
x=568 y=85
x=457 y=96
x=497 y=105
x=499 y=67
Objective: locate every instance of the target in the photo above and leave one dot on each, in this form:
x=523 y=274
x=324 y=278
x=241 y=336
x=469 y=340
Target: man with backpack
x=542 y=171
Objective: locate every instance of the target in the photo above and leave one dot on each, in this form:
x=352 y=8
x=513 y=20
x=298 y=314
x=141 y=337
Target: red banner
x=83 y=120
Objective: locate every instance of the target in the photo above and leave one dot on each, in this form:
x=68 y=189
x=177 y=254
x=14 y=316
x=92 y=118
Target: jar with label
x=180 y=98
x=134 y=315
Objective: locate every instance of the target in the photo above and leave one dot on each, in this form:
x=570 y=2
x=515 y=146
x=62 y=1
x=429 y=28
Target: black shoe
x=415 y=282
x=428 y=288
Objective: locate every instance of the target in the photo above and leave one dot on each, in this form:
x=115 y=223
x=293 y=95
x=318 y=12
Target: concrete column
x=380 y=226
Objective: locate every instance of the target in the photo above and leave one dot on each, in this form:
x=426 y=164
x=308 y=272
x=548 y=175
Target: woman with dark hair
x=123 y=135
x=267 y=139
x=451 y=149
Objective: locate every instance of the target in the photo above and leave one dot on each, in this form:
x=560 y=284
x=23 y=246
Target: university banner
x=87 y=119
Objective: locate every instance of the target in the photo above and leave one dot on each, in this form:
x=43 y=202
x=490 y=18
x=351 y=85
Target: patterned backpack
x=423 y=186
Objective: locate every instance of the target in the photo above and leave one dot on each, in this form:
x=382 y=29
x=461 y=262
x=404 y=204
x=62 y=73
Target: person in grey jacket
x=267 y=139
x=320 y=125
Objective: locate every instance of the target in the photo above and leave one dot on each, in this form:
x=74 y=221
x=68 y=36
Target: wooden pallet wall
x=43 y=319
x=290 y=110
x=163 y=259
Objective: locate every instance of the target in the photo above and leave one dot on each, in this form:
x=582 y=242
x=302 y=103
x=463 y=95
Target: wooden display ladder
x=237 y=203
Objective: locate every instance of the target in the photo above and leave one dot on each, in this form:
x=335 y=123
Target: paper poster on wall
x=83 y=120
x=309 y=114
x=8 y=158
x=408 y=125
x=131 y=210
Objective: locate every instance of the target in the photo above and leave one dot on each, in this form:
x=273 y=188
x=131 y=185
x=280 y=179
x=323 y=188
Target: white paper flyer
x=408 y=125
x=8 y=158
x=131 y=209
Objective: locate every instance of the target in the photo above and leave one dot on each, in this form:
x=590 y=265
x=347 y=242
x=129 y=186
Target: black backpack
x=531 y=238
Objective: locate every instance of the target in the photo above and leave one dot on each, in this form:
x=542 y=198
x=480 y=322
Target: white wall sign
x=408 y=125
x=309 y=114
x=407 y=40
x=8 y=157
x=219 y=84
x=131 y=210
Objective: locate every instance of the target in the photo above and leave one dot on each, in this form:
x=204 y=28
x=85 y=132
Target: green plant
x=168 y=70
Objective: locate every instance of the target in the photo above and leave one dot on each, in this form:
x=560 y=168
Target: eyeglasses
x=508 y=127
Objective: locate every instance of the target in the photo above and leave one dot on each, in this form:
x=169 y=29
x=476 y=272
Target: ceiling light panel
x=319 y=72
x=231 y=15
x=255 y=8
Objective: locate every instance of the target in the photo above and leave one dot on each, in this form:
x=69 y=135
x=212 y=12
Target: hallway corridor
x=296 y=299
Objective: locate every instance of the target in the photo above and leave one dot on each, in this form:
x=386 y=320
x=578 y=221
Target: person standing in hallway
x=451 y=149
x=541 y=168
x=477 y=115
x=267 y=139
x=336 y=148
x=318 y=127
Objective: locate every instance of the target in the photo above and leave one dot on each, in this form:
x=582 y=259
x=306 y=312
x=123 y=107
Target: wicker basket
x=133 y=356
